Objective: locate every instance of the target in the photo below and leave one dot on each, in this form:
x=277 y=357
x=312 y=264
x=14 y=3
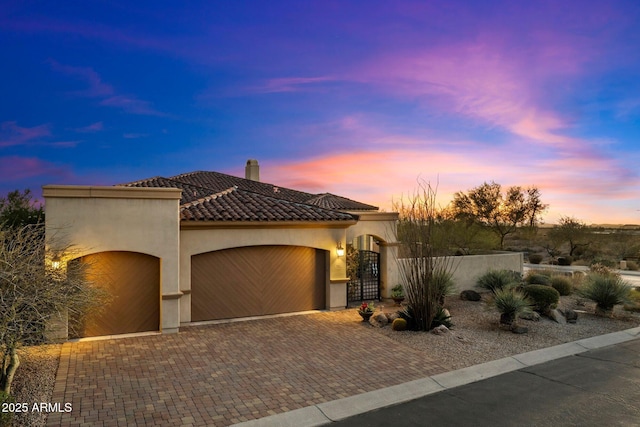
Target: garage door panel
x=133 y=283
x=256 y=280
x=223 y=285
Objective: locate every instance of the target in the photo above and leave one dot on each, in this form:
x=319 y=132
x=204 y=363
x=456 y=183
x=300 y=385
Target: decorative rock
x=469 y=295
x=533 y=316
x=570 y=315
x=379 y=319
x=446 y=312
x=556 y=315
x=519 y=329
x=440 y=330
x=392 y=316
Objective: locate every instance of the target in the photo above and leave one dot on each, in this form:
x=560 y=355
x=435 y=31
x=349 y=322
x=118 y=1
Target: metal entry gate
x=366 y=285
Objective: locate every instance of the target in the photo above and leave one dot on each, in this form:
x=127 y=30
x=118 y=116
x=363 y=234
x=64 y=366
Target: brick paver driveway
x=227 y=373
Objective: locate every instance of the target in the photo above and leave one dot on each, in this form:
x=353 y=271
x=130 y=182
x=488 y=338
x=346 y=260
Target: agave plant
x=511 y=303
x=494 y=280
x=606 y=290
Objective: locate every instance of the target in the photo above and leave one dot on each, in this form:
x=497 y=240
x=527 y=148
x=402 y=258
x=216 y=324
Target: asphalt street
x=596 y=388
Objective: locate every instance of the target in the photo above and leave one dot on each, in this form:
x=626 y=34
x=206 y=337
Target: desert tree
x=502 y=212
x=18 y=209
x=420 y=269
x=575 y=233
x=35 y=290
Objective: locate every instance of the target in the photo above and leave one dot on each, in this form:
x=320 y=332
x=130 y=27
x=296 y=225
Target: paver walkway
x=228 y=373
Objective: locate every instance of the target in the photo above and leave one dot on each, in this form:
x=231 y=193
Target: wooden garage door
x=256 y=280
x=133 y=281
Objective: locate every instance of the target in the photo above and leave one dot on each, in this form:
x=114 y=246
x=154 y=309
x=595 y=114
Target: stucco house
x=203 y=246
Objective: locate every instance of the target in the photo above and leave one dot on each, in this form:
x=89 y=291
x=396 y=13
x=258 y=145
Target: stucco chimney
x=252 y=170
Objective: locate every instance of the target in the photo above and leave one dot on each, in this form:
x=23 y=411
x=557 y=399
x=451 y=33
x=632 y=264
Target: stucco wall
x=144 y=220
x=467 y=269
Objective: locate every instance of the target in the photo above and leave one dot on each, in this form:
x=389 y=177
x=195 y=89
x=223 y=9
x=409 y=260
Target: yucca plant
x=510 y=303
x=606 y=290
x=494 y=280
x=444 y=285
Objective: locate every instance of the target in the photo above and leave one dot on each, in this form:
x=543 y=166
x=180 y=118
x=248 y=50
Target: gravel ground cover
x=475 y=338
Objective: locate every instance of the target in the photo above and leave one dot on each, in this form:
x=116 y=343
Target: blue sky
x=357 y=98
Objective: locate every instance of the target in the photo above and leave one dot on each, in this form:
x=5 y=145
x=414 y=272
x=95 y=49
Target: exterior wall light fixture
x=340 y=250
x=55 y=262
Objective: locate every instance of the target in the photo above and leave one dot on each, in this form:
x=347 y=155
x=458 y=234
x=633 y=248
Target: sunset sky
x=356 y=98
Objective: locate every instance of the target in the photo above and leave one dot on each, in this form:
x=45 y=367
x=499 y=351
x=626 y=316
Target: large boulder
x=392 y=316
x=379 y=319
x=556 y=315
x=440 y=330
x=570 y=315
x=470 y=295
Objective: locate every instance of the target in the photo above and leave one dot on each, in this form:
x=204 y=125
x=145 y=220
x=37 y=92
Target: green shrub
x=510 y=303
x=399 y=324
x=493 y=280
x=632 y=265
x=606 y=290
x=634 y=300
x=535 y=278
x=6 y=417
x=604 y=262
x=543 y=297
x=442 y=317
x=444 y=285
x=535 y=258
x=562 y=284
x=565 y=260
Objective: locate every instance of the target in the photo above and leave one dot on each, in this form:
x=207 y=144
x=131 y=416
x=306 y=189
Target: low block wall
x=467 y=269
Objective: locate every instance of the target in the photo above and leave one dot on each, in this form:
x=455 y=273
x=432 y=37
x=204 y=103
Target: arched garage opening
x=257 y=280
x=133 y=283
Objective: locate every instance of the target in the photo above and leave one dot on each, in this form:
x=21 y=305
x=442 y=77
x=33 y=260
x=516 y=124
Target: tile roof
x=214 y=196
x=234 y=204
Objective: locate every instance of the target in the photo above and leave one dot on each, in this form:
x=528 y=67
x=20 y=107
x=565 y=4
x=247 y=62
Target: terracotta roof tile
x=234 y=204
x=331 y=201
x=214 y=196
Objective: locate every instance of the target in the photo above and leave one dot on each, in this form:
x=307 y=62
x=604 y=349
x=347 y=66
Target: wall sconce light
x=55 y=262
x=340 y=250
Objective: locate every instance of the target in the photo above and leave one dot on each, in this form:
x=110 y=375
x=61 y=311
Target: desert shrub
x=634 y=300
x=6 y=417
x=535 y=258
x=493 y=280
x=510 y=303
x=543 y=297
x=399 y=324
x=606 y=290
x=632 y=265
x=565 y=260
x=535 y=278
x=443 y=284
x=442 y=317
x=603 y=262
x=562 y=284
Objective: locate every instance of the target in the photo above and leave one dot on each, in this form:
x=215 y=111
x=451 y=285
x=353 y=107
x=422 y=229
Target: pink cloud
x=15 y=168
x=97 y=88
x=289 y=84
x=131 y=104
x=12 y=135
x=93 y=127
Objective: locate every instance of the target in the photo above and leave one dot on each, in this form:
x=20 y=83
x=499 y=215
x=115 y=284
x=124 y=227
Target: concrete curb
x=325 y=413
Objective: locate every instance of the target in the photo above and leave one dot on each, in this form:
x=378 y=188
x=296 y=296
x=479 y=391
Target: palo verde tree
x=33 y=292
x=420 y=269
x=502 y=212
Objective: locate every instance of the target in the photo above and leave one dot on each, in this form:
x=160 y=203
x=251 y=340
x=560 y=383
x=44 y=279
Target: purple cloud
x=13 y=135
x=92 y=128
x=131 y=104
